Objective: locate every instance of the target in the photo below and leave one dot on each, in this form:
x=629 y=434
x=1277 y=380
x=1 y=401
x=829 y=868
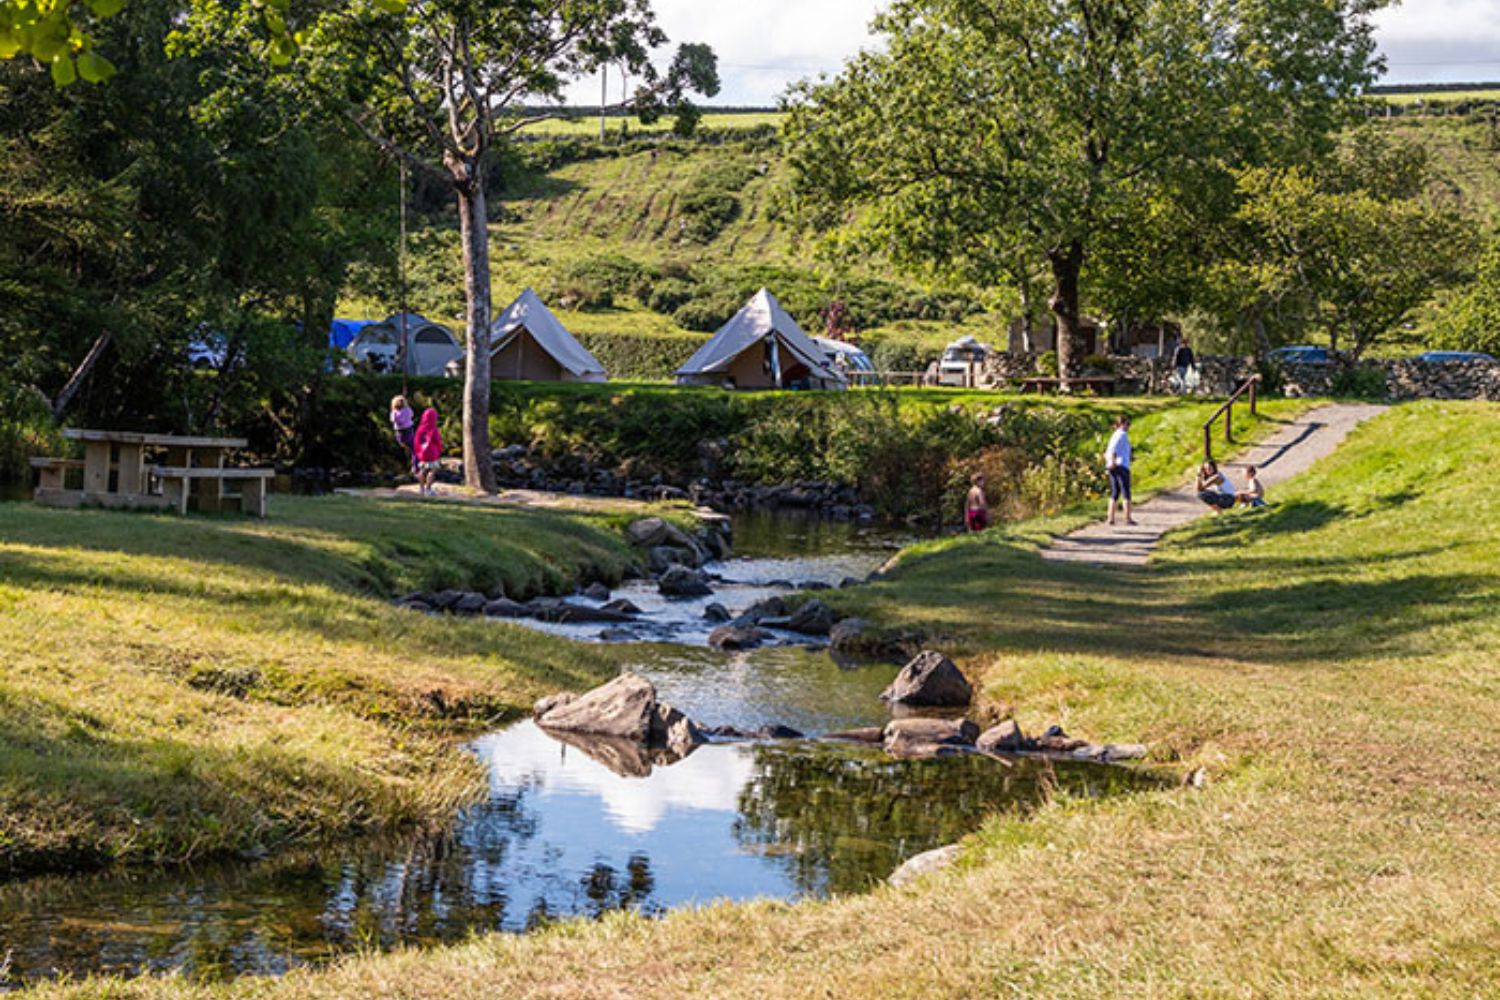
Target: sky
x=763 y=45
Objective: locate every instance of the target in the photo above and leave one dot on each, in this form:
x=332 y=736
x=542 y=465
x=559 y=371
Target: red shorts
x=977 y=520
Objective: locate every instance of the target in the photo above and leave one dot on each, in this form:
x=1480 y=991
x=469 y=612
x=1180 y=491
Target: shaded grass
x=179 y=687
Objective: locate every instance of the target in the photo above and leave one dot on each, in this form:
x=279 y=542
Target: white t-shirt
x=1225 y=486
x=1117 y=453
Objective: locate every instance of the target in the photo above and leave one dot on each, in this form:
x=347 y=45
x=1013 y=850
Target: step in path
x=1292 y=450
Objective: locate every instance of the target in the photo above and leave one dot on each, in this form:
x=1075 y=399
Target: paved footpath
x=1291 y=450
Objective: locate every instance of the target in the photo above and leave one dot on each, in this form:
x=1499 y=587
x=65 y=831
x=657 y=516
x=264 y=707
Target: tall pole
x=401 y=267
x=603 y=97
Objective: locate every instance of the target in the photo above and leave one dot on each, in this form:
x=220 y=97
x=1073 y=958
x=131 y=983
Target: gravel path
x=1292 y=450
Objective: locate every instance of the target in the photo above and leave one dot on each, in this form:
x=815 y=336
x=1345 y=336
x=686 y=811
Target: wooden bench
x=1104 y=385
x=175 y=482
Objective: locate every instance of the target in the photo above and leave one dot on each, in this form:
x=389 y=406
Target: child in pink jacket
x=427 y=449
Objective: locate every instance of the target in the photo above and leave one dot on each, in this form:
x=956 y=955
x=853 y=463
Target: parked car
x=1442 y=357
x=1302 y=354
x=964 y=356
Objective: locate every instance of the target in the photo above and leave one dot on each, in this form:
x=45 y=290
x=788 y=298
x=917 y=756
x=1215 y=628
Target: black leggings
x=1119 y=483
x=1214 y=498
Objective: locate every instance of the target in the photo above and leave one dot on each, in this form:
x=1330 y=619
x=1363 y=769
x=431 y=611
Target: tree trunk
x=1262 y=339
x=79 y=375
x=1067 y=264
x=468 y=180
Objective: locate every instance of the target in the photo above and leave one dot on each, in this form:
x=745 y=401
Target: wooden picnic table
x=116 y=473
x=1102 y=384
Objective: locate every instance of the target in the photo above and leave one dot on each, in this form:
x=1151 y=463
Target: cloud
x=765 y=45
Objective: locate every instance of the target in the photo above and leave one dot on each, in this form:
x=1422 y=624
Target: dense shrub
x=892 y=355
x=640 y=356
x=1359 y=382
x=26 y=431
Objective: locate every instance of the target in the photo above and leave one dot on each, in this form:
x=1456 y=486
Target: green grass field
x=176 y=688
x=1330 y=665
x=585 y=127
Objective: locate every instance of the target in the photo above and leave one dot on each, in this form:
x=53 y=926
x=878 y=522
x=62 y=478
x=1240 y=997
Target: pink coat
x=428 y=446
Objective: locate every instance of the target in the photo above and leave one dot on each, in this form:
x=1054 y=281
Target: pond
x=560 y=835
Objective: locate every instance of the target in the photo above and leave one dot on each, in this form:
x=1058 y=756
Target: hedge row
x=644 y=357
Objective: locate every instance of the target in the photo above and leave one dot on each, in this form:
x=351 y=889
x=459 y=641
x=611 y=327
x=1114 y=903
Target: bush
x=641 y=356
x=1359 y=382
x=26 y=431
x=1046 y=364
x=892 y=355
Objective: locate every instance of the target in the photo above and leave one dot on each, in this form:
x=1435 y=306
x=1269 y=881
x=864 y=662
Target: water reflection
x=561 y=834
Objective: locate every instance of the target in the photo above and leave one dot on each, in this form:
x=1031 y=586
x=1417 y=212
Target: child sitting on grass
x=1254 y=494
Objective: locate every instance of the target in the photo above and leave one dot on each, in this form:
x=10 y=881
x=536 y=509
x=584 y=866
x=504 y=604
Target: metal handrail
x=1228 y=411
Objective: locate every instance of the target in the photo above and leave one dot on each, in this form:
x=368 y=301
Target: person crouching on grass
x=428 y=450
x=1214 y=488
x=1117 y=463
x=976 y=507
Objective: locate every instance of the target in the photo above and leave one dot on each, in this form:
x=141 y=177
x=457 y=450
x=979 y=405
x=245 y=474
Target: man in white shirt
x=1117 y=463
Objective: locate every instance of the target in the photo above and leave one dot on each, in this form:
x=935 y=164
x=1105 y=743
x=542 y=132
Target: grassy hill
x=655 y=243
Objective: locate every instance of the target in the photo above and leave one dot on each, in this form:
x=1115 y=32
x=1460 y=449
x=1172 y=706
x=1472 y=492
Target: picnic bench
x=115 y=473
x=1104 y=385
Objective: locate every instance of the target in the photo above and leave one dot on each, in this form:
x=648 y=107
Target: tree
x=1356 y=248
x=983 y=126
x=443 y=84
x=1471 y=322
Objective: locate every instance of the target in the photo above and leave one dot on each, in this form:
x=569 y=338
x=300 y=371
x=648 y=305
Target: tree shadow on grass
x=1312 y=619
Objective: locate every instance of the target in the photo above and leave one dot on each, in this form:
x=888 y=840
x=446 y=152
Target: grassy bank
x=174 y=688
x=1332 y=665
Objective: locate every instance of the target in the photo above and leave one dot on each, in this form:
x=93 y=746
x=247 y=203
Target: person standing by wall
x=1117 y=463
x=1182 y=362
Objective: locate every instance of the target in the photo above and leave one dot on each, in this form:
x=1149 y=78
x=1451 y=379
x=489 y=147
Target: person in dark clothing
x=1182 y=361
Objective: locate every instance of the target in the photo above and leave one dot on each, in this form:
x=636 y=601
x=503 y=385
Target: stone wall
x=1405 y=378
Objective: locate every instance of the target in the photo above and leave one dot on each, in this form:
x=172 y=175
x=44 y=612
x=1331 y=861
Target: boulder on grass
x=925 y=863
x=930 y=680
x=506 y=608
x=623 y=707
x=646 y=532
x=681 y=581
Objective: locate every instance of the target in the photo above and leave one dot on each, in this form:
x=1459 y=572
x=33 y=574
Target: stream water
x=581 y=827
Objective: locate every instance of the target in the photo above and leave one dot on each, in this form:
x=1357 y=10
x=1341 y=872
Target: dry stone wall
x=1405 y=378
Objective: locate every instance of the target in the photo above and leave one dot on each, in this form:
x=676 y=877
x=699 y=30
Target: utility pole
x=603 y=97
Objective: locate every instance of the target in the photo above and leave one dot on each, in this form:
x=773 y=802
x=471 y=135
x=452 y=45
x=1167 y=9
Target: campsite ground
x=1329 y=664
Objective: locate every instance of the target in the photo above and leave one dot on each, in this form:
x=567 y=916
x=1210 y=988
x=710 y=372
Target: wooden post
x=211 y=489
x=132 y=470
x=1229 y=422
x=253 y=497
x=1253 y=382
x=96 y=467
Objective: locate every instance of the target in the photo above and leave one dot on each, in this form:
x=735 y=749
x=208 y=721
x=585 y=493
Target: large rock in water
x=623 y=707
x=1003 y=738
x=680 y=581
x=930 y=680
x=737 y=637
x=812 y=618
x=920 y=737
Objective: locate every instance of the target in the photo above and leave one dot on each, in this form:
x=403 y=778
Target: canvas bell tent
x=431 y=347
x=529 y=343
x=761 y=348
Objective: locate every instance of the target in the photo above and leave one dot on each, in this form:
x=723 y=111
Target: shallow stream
x=579 y=828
